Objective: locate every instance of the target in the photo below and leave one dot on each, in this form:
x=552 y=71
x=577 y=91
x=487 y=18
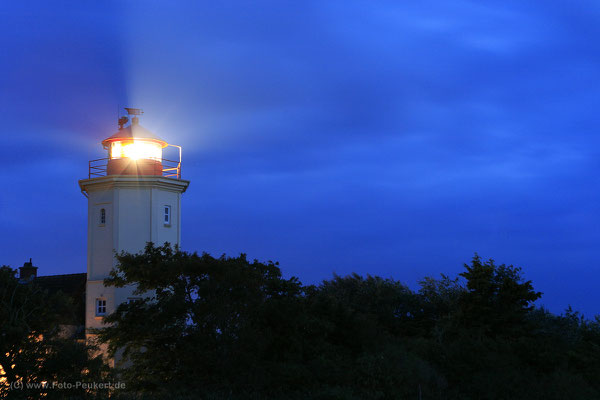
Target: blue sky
x=390 y=138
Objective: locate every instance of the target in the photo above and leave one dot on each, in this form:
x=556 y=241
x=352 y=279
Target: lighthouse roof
x=134 y=131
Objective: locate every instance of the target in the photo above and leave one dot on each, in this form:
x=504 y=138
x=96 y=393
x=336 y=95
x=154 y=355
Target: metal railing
x=172 y=170
x=99 y=167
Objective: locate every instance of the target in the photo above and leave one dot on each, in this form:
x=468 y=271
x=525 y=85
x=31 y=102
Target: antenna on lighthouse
x=122 y=121
x=134 y=111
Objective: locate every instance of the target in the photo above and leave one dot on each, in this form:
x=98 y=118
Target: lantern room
x=134 y=150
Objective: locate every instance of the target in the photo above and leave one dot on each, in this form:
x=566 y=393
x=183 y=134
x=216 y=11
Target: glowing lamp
x=134 y=150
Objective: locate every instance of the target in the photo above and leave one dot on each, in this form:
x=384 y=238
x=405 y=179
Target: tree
x=438 y=302
x=202 y=324
x=365 y=340
x=230 y=328
x=32 y=349
x=227 y=326
x=497 y=299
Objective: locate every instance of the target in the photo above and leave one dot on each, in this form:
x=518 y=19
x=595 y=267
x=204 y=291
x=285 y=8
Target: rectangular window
x=167 y=218
x=102 y=216
x=100 y=307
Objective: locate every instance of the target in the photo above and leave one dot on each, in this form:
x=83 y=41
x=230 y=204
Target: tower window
x=100 y=307
x=102 y=216
x=167 y=217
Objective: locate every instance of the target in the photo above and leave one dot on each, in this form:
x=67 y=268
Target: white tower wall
x=133 y=215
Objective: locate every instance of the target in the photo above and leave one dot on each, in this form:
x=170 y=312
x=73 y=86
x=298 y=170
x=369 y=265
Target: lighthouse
x=134 y=197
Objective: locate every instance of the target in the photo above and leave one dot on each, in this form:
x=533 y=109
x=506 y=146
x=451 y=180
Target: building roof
x=134 y=131
x=72 y=285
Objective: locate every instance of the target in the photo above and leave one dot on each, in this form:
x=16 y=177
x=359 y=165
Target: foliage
x=497 y=300
x=33 y=348
x=231 y=328
x=203 y=322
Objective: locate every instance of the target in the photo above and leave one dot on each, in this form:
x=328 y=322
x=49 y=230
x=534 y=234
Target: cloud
x=388 y=138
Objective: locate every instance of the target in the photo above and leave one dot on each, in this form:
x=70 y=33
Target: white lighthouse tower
x=134 y=197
